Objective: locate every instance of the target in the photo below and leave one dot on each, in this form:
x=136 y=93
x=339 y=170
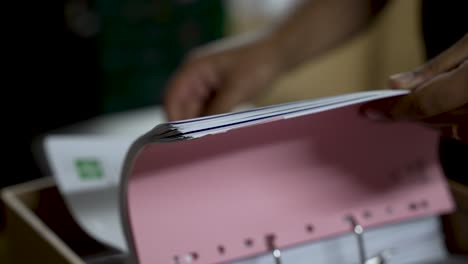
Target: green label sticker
x=89 y=169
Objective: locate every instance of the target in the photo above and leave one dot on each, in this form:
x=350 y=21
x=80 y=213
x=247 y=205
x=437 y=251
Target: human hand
x=439 y=94
x=214 y=80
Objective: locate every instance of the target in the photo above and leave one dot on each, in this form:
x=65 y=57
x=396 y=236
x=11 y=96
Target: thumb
x=444 y=62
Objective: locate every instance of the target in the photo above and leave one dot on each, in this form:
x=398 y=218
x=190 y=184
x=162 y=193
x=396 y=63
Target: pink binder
x=217 y=198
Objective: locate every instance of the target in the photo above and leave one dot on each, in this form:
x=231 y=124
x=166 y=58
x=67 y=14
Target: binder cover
x=226 y=188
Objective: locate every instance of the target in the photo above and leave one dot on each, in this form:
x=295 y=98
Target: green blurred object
x=141 y=42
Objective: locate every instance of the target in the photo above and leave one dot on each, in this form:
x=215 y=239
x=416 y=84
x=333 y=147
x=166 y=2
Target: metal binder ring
x=275 y=252
x=358 y=230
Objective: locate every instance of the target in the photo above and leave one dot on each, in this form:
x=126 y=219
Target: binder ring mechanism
x=270 y=243
x=358 y=231
x=270 y=239
x=275 y=251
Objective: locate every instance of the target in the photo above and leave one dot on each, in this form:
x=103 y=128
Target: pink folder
x=217 y=197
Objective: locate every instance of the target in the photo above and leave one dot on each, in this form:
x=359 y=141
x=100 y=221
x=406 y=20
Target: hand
x=439 y=94
x=215 y=79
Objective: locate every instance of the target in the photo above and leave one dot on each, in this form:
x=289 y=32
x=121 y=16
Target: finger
x=377 y=110
x=178 y=94
x=244 y=82
x=210 y=76
x=449 y=118
x=462 y=132
x=227 y=98
x=444 y=62
x=442 y=94
x=190 y=109
x=458 y=131
x=173 y=98
x=187 y=92
x=190 y=105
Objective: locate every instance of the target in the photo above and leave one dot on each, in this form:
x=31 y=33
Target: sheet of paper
x=87 y=170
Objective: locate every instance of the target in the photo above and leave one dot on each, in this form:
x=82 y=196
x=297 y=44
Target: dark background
x=74 y=60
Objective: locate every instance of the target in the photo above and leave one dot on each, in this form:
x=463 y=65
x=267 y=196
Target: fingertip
x=191 y=109
x=375 y=115
x=223 y=101
x=171 y=112
x=394 y=84
x=373 y=112
x=213 y=109
x=382 y=109
x=168 y=105
x=401 y=80
x=179 y=96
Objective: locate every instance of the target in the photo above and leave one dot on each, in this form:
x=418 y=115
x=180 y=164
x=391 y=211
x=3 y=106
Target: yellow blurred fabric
x=393 y=44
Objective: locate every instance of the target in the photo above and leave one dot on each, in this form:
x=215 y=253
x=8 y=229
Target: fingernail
x=402 y=80
x=375 y=115
x=407 y=80
x=403 y=77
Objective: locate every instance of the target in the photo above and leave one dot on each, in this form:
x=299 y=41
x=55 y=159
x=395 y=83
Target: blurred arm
x=217 y=77
x=316 y=26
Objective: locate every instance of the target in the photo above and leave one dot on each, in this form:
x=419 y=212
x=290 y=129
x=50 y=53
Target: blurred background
x=115 y=56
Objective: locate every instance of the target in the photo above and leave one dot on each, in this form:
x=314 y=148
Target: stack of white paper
x=198 y=127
